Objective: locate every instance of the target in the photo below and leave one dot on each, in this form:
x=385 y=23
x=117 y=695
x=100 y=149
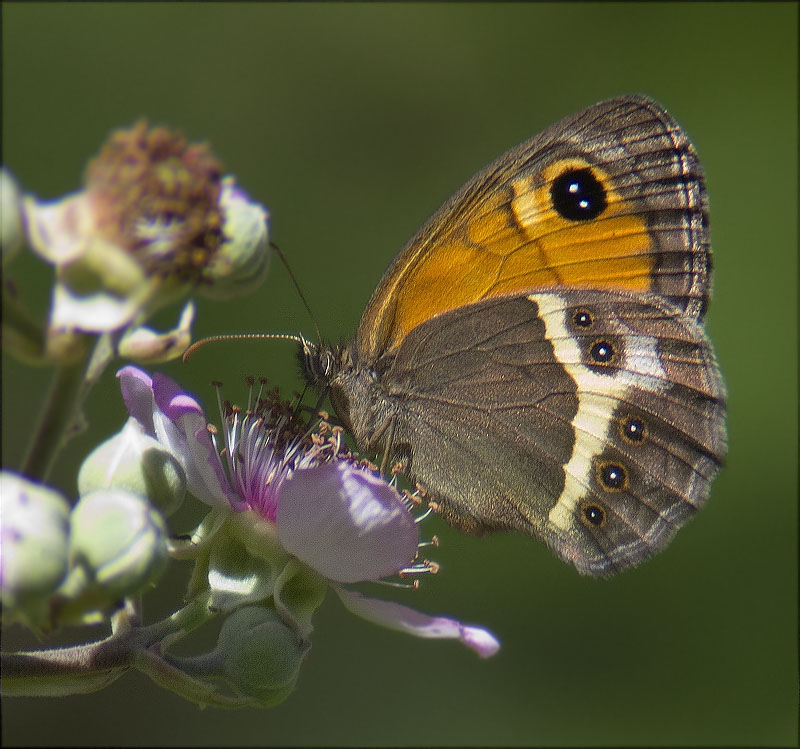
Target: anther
x=433 y=542
x=422 y=567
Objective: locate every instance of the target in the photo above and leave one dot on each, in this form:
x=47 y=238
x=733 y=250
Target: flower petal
x=181 y=424
x=137 y=392
x=172 y=399
x=96 y=311
x=404 y=619
x=58 y=230
x=346 y=524
x=177 y=420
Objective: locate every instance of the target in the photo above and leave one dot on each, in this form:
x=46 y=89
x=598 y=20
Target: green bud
x=259 y=655
x=34 y=524
x=135 y=461
x=119 y=542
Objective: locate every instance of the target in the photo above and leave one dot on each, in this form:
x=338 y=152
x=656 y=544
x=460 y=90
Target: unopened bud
x=135 y=461
x=34 y=526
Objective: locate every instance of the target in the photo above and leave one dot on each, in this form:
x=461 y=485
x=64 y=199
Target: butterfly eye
x=582 y=319
x=578 y=195
x=612 y=476
x=602 y=352
x=593 y=514
x=632 y=430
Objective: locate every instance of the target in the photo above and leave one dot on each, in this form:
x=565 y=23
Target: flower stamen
x=421 y=567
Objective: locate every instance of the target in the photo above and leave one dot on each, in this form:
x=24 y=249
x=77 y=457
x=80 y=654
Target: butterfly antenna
x=243 y=337
x=297 y=286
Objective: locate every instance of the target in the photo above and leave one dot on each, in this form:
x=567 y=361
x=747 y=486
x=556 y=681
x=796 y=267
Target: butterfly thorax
x=337 y=371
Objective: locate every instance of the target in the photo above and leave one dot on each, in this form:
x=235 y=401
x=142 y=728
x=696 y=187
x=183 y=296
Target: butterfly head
x=318 y=363
x=353 y=387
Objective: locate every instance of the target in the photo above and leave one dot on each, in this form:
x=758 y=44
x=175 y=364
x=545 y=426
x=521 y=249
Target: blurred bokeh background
x=352 y=123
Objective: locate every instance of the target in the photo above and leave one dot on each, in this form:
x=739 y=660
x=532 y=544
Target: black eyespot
x=602 y=352
x=578 y=195
x=612 y=476
x=593 y=514
x=633 y=430
x=582 y=318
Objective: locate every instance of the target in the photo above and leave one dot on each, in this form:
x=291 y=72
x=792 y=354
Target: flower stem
x=73 y=670
x=80 y=669
x=53 y=421
x=60 y=418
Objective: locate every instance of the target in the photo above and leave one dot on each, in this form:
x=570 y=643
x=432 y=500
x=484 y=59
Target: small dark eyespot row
x=578 y=195
x=582 y=318
x=592 y=515
x=602 y=352
x=633 y=430
x=612 y=476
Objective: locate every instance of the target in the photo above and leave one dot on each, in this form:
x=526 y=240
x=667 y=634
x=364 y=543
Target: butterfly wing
x=592 y=420
x=610 y=198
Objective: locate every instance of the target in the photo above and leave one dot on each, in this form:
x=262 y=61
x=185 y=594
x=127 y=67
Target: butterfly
x=535 y=357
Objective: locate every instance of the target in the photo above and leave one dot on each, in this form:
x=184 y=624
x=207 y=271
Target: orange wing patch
x=511 y=241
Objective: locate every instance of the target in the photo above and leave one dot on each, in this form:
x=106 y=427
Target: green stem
x=89 y=667
x=55 y=418
x=22 y=334
x=177 y=625
x=173 y=678
x=73 y=670
x=61 y=417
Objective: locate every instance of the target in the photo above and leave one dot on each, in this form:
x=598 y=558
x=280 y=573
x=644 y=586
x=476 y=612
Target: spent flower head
x=155 y=220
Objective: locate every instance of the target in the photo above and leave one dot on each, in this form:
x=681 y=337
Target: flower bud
x=259 y=655
x=119 y=542
x=135 y=461
x=34 y=525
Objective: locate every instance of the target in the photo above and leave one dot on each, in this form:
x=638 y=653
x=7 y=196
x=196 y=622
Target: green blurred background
x=352 y=123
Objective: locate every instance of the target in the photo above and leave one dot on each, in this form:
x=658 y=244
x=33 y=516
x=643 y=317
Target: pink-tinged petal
x=173 y=400
x=204 y=473
x=346 y=524
x=137 y=392
x=181 y=424
x=404 y=619
x=482 y=641
x=176 y=419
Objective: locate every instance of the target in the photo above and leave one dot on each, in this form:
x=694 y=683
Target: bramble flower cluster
x=290 y=512
x=155 y=220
